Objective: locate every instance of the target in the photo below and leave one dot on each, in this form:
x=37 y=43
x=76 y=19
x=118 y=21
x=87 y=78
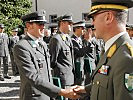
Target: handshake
x=73 y=92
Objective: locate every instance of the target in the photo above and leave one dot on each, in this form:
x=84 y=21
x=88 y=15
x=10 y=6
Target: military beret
x=79 y=24
x=2 y=26
x=38 y=16
x=129 y=26
x=121 y=5
x=65 y=18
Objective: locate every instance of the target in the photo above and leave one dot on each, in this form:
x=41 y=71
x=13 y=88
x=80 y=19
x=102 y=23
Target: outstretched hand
x=79 y=89
x=69 y=93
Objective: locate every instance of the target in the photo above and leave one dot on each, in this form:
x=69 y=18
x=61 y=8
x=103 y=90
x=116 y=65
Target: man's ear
x=109 y=17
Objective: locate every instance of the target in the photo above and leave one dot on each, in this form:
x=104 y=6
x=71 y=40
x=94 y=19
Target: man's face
x=67 y=26
x=99 y=23
x=130 y=32
x=1 y=30
x=14 y=33
x=80 y=31
x=36 y=29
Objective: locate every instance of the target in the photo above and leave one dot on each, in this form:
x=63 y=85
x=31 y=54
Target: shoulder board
x=130 y=48
x=111 y=51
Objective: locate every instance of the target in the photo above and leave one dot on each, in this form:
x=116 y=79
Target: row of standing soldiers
x=82 y=50
x=6 y=50
x=74 y=56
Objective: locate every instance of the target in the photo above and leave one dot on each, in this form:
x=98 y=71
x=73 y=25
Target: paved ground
x=9 y=89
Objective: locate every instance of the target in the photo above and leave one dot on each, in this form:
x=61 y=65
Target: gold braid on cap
x=109 y=6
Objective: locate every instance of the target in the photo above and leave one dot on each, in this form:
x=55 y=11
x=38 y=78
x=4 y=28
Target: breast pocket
x=99 y=87
x=1 y=41
x=41 y=63
x=66 y=52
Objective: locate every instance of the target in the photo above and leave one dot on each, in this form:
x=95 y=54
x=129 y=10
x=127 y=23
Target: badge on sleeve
x=129 y=81
x=104 y=70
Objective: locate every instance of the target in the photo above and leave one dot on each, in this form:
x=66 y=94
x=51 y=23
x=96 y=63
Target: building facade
x=77 y=8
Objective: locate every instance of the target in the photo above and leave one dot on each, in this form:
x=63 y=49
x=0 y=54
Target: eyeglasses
x=100 y=12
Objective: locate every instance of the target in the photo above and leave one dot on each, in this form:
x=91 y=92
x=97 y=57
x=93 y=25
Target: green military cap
x=129 y=26
x=65 y=18
x=88 y=25
x=15 y=30
x=2 y=26
x=121 y=5
x=79 y=24
x=37 y=17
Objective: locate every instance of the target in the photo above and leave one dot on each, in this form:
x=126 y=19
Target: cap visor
x=92 y=13
x=41 y=22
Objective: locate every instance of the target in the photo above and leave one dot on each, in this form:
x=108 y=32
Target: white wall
x=74 y=7
x=61 y=7
x=130 y=16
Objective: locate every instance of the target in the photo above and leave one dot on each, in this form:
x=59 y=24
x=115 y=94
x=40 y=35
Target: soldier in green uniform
x=113 y=77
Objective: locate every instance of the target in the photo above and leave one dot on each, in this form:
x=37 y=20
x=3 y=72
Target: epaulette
x=111 y=51
x=130 y=48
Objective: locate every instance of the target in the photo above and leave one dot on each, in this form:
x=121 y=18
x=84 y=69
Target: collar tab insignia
x=34 y=45
x=63 y=37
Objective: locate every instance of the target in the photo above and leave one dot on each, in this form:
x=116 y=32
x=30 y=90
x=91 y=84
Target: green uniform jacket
x=111 y=84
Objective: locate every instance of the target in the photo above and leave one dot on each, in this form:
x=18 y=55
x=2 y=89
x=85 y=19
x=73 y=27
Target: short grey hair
x=121 y=16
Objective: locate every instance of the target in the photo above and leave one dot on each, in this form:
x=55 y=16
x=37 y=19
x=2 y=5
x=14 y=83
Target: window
x=84 y=16
x=52 y=18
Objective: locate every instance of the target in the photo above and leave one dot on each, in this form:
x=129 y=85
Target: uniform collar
x=78 y=38
x=36 y=40
x=64 y=34
x=112 y=40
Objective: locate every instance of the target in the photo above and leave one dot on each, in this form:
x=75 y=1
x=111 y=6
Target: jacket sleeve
x=80 y=52
x=123 y=66
x=54 y=47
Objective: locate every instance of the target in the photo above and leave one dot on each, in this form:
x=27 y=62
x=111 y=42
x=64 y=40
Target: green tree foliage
x=11 y=12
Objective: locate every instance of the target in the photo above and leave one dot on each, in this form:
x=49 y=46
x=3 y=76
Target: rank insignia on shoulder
x=111 y=51
x=104 y=69
x=130 y=48
x=129 y=81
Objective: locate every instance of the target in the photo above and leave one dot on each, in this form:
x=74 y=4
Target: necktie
x=41 y=46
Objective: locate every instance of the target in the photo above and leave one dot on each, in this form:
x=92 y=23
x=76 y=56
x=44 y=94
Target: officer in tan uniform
x=113 y=77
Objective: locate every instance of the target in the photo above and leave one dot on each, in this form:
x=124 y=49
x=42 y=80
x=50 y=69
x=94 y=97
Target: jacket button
x=93 y=83
x=98 y=82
